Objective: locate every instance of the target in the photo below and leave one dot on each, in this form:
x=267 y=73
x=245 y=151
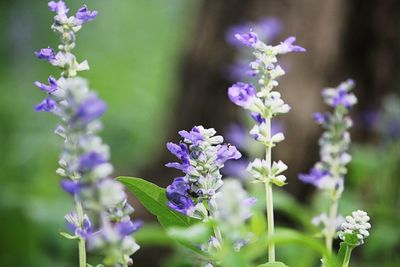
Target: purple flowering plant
x=328 y=173
x=101 y=218
x=211 y=215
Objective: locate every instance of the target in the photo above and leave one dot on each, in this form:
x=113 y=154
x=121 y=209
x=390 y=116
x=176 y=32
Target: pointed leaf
x=154 y=199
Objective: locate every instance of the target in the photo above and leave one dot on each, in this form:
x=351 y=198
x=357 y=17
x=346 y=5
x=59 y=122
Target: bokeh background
x=163 y=66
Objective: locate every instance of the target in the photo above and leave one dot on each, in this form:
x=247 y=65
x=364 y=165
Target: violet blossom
x=84 y=163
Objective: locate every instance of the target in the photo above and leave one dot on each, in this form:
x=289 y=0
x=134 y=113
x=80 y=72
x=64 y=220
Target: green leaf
x=351 y=239
x=68 y=236
x=191 y=236
x=153 y=235
x=154 y=199
x=258 y=224
x=197 y=233
x=273 y=264
x=231 y=258
x=342 y=251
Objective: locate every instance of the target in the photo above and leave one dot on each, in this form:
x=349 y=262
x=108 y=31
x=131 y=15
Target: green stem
x=331 y=227
x=347 y=256
x=269 y=198
x=82 y=244
x=270 y=219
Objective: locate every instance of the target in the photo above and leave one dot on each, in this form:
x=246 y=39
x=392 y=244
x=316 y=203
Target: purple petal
x=91 y=109
x=70 y=186
x=47 y=105
x=84 y=15
x=45 y=54
x=241 y=93
x=248 y=39
x=50 y=88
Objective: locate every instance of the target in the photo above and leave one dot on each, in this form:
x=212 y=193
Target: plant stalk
x=269 y=198
x=332 y=218
x=82 y=241
x=347 y=256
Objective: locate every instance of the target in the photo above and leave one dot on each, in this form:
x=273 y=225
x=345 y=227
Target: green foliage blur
x=133 y=50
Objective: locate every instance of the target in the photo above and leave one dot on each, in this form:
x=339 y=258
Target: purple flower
x=50 y=88
x=288 y=46
x=180 y=203
x=47 y=105
x=227 y=152
x=257 y=117
x=91 y=109
x=235 y=29
x=320 y=118
x=241 y=94
x=182 y=152
x=194 y=136
x=314 y=177
x=90 y=160
x=71 y=186
x=128 y=227
x=248 y=39
x=83 y=229
x=45 y=54
x=84 y=15
x=180 y=185
x=341 y=98
x=59 y=7
x=267 y=29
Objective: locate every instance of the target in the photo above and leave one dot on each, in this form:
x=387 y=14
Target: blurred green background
x=132 y=49
x=156 y=61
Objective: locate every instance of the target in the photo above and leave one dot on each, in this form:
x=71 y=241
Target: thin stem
x=269 y=198
x=347 y=256
x=331 y=227
x=270 y=219
x=82 y=244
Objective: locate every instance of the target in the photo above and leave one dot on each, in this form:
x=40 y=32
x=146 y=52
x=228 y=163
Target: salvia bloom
x=264 y=103
x=102 y=216
x=202 y=154
x=328 y=173
x=356 y=226
x=267 y=28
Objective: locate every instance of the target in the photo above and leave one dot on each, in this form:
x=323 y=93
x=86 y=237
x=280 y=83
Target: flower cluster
x=102 y=216
x=233 y=209
x=355 y=229
x=202 y=155
x=328 y=173
x=264 y=103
